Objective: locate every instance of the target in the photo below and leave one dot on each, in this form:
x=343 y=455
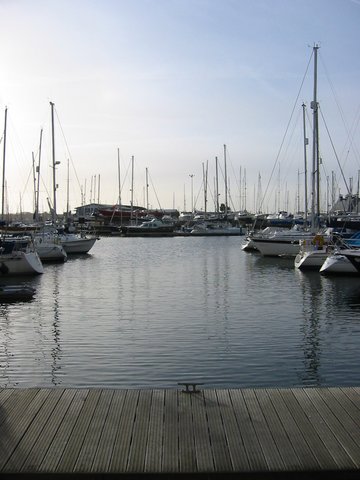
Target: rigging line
x=67 y=147
x=336 y=156
x=154 y=191
x=27 y=181
x=347 y=129
x=287 y=128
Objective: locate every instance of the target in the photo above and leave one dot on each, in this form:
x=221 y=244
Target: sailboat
x=71 y=242
x=17 y=256
x=313 y=252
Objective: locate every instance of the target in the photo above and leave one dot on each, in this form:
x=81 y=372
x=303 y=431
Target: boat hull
x=20 y=263
x=78 y=245
x=311 y=260
x=337 y=265
x=276 y=248
x=52 y=253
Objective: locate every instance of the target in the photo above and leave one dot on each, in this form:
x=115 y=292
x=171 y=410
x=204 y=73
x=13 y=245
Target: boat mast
x=226 y=193
x=3 y=175
x=132 y=188
x=205 y=180
x=147 y=188
x=306 y=141
x=54 y=163
x=119 y=182
x=217 y=185
x=315 y=198
x=67 y=192
x=38 y=180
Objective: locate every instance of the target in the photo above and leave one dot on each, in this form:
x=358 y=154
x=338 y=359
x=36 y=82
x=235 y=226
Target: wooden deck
x=259 y=433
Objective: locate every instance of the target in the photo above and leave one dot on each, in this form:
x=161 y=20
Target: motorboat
x=282 y=243
x=215 y=230
x=150 y=228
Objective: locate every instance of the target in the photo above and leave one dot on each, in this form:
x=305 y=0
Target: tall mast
x=54 y=163
x=34 y=180
x=226 y=193
x=132 y=188
x=119 y=182
x=217 y=184
x=38 y=180
x=315 y=199
x=3 y=175
x=205 y=181
x=147 y=187
x=67 y=191
x=306 y=141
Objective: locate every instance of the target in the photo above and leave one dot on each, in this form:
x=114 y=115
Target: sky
x=169 y=83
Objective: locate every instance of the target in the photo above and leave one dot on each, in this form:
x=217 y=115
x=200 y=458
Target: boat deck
x=258 y=433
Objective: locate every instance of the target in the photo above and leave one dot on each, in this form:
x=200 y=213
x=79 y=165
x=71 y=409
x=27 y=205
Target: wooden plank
x=219 y=446
x=306 y=457
x=137 y=453
x=15 y=405
x=154 y=447
x=234 y=438
x=12 y=431
x=322 y=430
x=170 y=452
x=187 y=457
x=338 y=431
x=290 y=459
x=61 y=438
x=120 y=454
x=93 y=433
x=306 y=427
x=268 y=446
x=204 y=454
x=104 y=451
x=352 y=396
x=167 y=431
x=41 y=445
x=344 y=410
x=252 y=446
x=4 y=395
x=33 y=431
x=73 y=446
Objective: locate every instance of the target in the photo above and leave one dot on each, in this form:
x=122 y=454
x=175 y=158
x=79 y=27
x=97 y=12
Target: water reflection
x=151 y=312
x=311 y=291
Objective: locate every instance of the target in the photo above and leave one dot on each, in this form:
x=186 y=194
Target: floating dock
x=181 y=433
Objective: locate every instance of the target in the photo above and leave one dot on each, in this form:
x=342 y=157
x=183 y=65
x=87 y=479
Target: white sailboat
x=49 y=247
x=71 y=242
x=313 y=253
x=17 y=256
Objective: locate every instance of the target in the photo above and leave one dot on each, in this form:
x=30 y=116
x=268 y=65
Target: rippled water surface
x=152 y=312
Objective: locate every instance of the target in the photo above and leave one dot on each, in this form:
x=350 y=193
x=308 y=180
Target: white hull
x=276 y=248
x=336 y=265
x=51 y=252
x=311 y=260
x=20 y=263
x=77 y=244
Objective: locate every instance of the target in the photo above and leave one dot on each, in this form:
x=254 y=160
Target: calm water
x=152 y=312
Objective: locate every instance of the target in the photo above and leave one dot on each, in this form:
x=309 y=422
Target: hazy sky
x=170 y=82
